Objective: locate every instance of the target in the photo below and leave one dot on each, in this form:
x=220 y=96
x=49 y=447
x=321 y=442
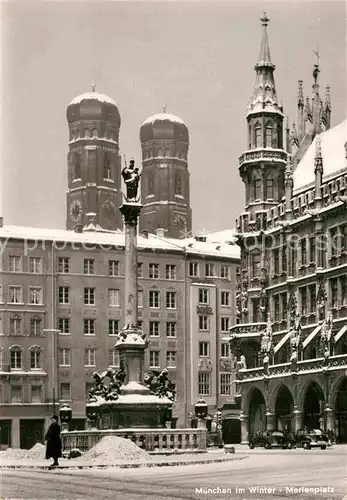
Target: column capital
x=130 y=212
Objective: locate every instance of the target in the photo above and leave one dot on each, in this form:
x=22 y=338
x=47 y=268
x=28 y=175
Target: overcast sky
x=196 y=57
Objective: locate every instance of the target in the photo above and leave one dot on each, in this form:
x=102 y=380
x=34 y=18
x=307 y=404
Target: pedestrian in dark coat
x=53 y=448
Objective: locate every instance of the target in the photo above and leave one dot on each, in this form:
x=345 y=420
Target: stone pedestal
x=270 y=421
x=329 y=419
x=201 y=423
x=244 y=429
x=298 y=420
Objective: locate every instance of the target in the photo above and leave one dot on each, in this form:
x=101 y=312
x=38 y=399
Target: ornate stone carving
x=292 y=307
x=225 y=365
x=295 y=342
x=321 y=299
x=160 y=384
x=205 y=365
x=108 y=391
x=326 y=337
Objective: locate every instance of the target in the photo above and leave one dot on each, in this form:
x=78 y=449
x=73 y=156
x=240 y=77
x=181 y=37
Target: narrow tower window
x=258 y=141
x=77 y=166
x=269 y=188
x=178 y=184
x=268 y=136
x=150 y=184
x=107 y=167
x=257 y=189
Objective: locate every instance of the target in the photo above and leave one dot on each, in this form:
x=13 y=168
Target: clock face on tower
x=76 y=210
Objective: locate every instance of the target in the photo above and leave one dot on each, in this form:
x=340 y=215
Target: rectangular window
x=113 y=297
x=15 y=264
x=88 y=266
x=171 y=361
x=154 y=299
x=193 y=269
x=171 y=329
x=224 y=271
x=334 y=292
x=15 y=326
x=113 y=268
x=154 y=328
x=312 y=295
x=113 y=358
x=255 y=260
x=63 y=264
x=35 y=327
x=343 y=283
x=204 y=384
x=284 y=259
x=154 y=271
x=35 y=265
x=284 y=306
x=209 y=270
x=16 y=295
x=64 y=325
x=204 y=296
x=64 y=295
x=303 y=252
x=224 y=350
x=113 y=326
x=224 y=324
x=204 y=349
x=225 y=384
x=154 y=359
x=203 y=323
x=64 y=357
x=312 y=250
x=139 y=269
x=16 y=359
x=303 y=300
x=276 y=257
x=35 y=359
x=171 y=300
x=268 y=140
x=65 y=391
x=170 y=272
x=16 y=394
x=89 y=357
x=276 y=303
x=35 y=295
x=89 y=296
x=89 y=327
x=139 y=298
x=225 y=298
x=36 y=394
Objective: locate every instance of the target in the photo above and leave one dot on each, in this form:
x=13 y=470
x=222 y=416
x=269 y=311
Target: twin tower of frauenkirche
x=94 y=165
x=94 y=169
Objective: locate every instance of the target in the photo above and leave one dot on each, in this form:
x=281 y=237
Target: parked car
x=312 y=438
x=272 y=439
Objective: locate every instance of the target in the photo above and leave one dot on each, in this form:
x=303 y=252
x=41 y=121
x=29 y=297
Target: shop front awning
x=311 y=336
x=340 y=334
x=283 y=341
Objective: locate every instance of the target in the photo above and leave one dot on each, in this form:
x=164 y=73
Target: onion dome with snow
x=164 y=126
x=93 y=106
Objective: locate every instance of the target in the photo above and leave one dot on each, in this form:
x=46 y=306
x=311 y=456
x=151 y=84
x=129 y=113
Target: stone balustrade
x=147 y=439
x=303 y=366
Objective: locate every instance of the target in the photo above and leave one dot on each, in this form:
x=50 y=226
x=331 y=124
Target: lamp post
x=65 y=414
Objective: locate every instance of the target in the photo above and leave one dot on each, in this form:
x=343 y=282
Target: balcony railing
x=263 y=154
x=247 y=328
x=147 y=439
x=302 y=367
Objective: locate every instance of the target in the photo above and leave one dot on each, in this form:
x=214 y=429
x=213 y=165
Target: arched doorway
x=257 y=413
x=341 y=413
x=284 y=407
x=314 y=407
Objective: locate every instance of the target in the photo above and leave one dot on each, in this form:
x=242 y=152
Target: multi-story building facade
x=61 y=291
x=291 y=336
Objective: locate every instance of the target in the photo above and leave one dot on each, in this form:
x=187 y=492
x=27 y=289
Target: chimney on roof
x=200 y=238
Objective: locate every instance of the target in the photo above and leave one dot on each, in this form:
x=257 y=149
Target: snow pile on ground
x=111 y=449
x=37 y=452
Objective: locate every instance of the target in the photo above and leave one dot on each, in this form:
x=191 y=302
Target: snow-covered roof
x=114 y=238
x=163 y=117
x=333 y=154
x=92 y=96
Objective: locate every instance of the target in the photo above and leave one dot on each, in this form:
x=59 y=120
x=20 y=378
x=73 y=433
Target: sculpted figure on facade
x=292 y=307
x=326 y=338
x=131 y=177
x=295 y=342
x=160 y=384
x=321 y=300
x=107 y=384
